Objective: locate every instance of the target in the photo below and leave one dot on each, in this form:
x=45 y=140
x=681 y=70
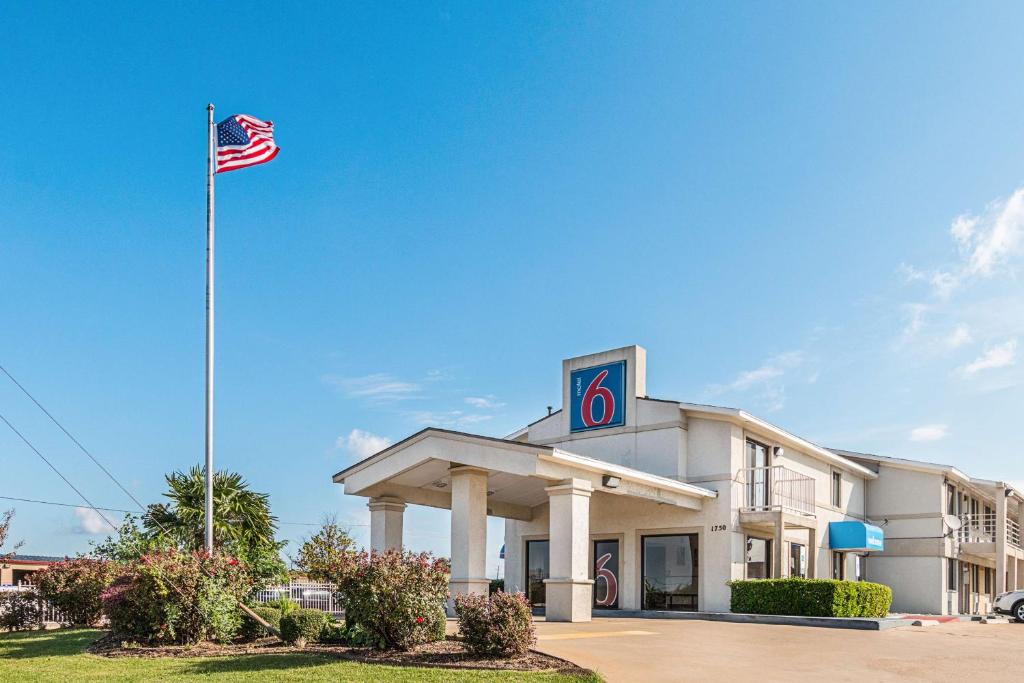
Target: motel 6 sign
x=597 y=397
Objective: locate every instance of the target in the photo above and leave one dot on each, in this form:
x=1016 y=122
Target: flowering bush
x=172 y=597
x=394 y=597
x=74 y=587
x=19 y=610
x=497 y=626
x=303 y=626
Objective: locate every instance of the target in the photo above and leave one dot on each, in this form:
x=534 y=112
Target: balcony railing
x=981 y=528
x=776 y=488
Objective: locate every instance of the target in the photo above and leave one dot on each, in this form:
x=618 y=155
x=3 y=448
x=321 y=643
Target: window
x=538 y=568
x=837 y=488
x=759 y=558
x=838 y=565
x=989 y=520
x=951 y=574
x=669 y=567
x=798 y=560
x=990 y=587
x=950 y=499
x=606 y=574
x=858 y=568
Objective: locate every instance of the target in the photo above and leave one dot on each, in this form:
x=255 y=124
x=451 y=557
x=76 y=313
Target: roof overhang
x=416 y=470
x=745 y=419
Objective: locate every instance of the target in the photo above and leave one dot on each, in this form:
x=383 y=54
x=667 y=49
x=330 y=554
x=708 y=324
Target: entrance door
x=538 y=568
x=606 y=574
x=669 y=568
x=757 y=475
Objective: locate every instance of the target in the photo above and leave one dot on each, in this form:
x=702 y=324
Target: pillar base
x=465 y=587
x=568 y=599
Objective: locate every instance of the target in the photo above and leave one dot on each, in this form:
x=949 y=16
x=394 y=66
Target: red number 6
x=608 y=402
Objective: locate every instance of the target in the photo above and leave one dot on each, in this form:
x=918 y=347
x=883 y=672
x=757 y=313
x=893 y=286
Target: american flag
x=243 y=140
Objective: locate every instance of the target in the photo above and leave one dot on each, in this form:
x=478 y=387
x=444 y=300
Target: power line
x=58 y=472
x=73 y=439
x=66 y=505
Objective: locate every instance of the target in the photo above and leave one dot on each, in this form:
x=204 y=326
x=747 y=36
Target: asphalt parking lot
x=669 y=650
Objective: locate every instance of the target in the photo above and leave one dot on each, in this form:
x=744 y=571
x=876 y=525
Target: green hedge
x=810 y=597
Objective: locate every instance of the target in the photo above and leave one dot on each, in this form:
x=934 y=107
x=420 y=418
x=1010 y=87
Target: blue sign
x=597 y=397
x=855 y=536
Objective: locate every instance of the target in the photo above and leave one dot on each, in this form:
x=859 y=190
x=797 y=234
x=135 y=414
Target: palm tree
x=241 y=517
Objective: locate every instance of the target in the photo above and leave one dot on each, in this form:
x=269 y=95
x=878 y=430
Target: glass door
x=606 y=574
x=538 y=568
x=757 y=475
x=669 y=567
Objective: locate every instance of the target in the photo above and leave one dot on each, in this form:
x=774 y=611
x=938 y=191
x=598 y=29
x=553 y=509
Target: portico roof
x=416 y=470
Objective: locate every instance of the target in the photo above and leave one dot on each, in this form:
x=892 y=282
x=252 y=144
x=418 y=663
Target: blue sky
x=812 y=212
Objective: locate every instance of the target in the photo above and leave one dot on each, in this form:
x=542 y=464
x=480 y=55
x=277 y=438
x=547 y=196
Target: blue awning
x=855 y=536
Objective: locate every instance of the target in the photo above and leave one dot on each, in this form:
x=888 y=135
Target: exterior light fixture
x=778 y=451
x=440 y=484
x=610 y=482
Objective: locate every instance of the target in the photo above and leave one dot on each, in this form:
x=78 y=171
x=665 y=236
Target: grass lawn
x=60 y=656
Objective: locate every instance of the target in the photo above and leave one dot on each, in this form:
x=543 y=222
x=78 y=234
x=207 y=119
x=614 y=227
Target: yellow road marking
x=601 y=634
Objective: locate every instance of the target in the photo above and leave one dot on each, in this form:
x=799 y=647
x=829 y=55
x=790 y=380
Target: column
x=780 y=568
x=569 y=593
x=812 y=553
x=386 y=515
x=469 y=531
x=1000 y=539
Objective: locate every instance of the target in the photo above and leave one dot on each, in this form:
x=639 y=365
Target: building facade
x=953 y=542
x=622 y=501
x=18 y=569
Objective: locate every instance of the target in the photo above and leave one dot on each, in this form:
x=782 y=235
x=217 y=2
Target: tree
x=130 y=543
x=320 y=556
x=242 y=523
x=5 y=526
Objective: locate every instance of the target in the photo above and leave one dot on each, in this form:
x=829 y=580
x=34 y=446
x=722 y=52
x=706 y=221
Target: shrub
x=394 y=596
x=333 y=632
x=75 y=587
x=284 y=604
x=811 y=597
x=500 y=625
x=19 y=610
x=251 y=629
x=436 y=625
x=303 y=626
x=173 y=597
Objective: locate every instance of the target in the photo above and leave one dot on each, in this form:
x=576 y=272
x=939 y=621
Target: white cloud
x=380 y=387
x=766 y=380
x=933 y=432
x=959 y=336
x=999 y=356
x=484 y=402
x=361 y=444
x=915 y=321
x=450 y=418
x=92 y=522
x=985 y=242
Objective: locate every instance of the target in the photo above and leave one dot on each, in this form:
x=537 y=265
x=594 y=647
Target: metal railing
x=321 y=596
x=981 y=528
x=776 y=488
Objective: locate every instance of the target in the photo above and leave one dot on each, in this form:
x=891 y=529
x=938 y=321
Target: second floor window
x=837 y=489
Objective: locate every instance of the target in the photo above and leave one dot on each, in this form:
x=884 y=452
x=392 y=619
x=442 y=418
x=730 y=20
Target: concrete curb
x=857 y=624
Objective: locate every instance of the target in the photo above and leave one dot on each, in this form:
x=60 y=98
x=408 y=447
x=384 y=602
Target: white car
x=1011 y=603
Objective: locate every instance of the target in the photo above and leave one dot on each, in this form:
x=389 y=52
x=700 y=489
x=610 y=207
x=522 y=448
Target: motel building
x=620 y=501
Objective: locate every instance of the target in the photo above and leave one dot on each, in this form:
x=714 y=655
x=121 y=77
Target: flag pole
x=210 y=156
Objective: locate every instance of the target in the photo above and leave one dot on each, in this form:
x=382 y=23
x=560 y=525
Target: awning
x=856 y=536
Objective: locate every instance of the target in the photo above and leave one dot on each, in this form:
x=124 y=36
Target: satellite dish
x=953 y=522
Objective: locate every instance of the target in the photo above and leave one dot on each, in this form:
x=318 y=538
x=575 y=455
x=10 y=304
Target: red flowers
x=419 y=620
x=232 y=562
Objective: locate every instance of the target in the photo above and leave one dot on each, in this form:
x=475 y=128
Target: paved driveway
x=667 y=650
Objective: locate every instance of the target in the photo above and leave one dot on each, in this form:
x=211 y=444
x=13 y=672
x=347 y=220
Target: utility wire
x=72 y=505
x=73 y=439
x=59 y=474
